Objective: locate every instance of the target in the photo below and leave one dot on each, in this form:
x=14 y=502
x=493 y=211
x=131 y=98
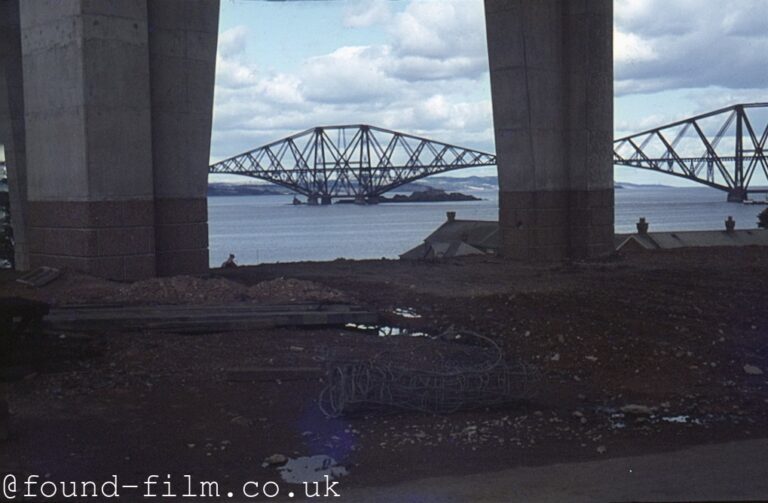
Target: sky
x=420 y=66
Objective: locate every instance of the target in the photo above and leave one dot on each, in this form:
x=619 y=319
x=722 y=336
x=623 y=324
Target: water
x=263 y=229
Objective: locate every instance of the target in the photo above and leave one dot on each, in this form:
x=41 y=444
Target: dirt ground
x=638 y=354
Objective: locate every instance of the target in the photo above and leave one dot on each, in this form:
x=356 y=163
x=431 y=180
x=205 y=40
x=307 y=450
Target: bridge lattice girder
x=724 y=149
x=358 y=161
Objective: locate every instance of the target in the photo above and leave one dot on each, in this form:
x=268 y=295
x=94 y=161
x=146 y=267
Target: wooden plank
x=198 y=319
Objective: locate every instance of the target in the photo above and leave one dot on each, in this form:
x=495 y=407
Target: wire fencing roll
x=468 y=378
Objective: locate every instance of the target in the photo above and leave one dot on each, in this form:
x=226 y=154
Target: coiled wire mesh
x=463 y=380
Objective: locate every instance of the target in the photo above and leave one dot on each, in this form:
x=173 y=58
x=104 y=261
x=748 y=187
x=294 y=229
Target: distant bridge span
x=361 y=162
x=723 y=149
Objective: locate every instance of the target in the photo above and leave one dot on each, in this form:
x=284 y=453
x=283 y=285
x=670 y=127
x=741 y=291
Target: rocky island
x=428 y=196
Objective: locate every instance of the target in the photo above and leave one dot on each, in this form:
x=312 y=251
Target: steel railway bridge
x=723 y=149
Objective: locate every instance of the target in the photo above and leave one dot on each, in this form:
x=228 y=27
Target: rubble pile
x=292 y=290
x=73 y=288
x=70 y=287
x=182 y=290
x=191 y=290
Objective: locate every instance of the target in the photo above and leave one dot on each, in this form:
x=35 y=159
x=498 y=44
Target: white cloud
x=348 y=75
x=630 y=48
x=233 y=41
x=231 y=73
x=441 y=30
x=677 y=44
x=430 y=75
x=405 y=84
x=366 y=13
x=437 y=40
x=415 y=68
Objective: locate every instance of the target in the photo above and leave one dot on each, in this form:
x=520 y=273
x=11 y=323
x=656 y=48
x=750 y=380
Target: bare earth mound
x=640 y=354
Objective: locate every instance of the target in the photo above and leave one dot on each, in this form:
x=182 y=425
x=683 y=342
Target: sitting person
x=230 y=262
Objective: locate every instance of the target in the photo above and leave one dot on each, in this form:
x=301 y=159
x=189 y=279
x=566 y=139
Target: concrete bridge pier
x=12 y=129
x=551 y=64
x=326 y=200
x=737 y=195
x=88 y=137
x=116 y=120
x=183 y=36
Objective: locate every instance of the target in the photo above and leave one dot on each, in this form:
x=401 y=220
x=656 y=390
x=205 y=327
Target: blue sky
x=420 y=66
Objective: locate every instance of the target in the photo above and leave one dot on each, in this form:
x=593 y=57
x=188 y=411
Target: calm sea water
x=260 y=229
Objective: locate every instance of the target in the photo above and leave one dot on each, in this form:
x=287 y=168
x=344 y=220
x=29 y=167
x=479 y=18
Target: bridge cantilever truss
x=724 y=149
x=357 y=161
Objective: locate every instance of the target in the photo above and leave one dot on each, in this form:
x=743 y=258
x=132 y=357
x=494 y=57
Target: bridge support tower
x=12 y=129
x=737 y=195
x=117 y=105
x=551 y=64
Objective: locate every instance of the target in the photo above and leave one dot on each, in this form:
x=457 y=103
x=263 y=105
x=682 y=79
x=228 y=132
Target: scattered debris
x=266 y=374
x=474 y=377
x=752 y=370
x=406 y=312
x=74 y=288
x=601 y=449
x=638 y=363
x=292 y=290
x=182 y=290
x=275 y=460
x=241 y=421
x=311 y=469
x=39 y=277
x=637 y=410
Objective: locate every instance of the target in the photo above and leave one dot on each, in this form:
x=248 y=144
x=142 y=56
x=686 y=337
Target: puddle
x=617 y=419
x=311 y=469
x=406 y=312
x=618 y=425
x=681 y=420
x=386 y=331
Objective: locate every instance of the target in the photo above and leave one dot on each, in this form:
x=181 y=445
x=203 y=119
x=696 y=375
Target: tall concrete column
x=12 y=129
x=183 y=36
x=551 y=64
x=88 y=134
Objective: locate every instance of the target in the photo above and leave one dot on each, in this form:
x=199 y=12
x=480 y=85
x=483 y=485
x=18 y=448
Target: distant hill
x=626 y=185
x=246 y=189
x=444 y=183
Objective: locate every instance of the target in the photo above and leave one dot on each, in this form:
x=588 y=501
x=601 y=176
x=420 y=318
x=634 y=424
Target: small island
x=255 y=189
x=428 y=196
